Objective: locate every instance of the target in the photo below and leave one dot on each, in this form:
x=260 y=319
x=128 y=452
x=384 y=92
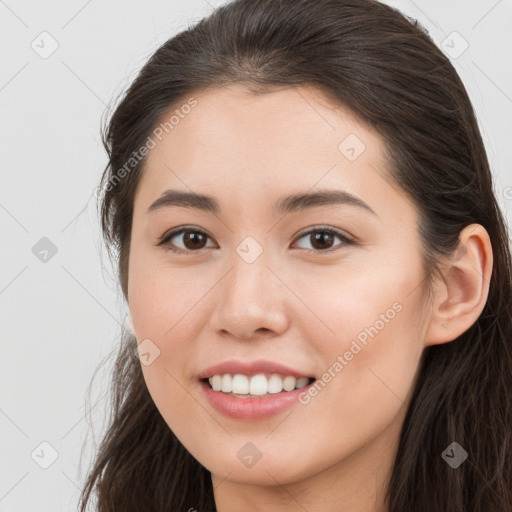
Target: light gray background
x=61 y=317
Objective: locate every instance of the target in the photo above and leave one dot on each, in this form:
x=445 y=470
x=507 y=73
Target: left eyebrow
x=297 y=202
x=289 y=204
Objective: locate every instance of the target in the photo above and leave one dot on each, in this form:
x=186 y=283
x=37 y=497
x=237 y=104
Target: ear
x=461 y=294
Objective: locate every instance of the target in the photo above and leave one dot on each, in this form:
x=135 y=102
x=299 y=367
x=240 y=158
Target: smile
x=250 y=390
x=256 y=385
x=257 y=398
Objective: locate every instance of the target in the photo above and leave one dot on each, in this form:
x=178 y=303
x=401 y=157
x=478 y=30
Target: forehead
x=289 y=120
x=254 y=149
x=232 y=133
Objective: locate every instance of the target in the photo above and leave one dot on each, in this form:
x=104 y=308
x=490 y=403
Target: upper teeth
x=257 y=384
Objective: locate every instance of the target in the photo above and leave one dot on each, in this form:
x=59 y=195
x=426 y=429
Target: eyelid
x=179 y=230
x=325 y=227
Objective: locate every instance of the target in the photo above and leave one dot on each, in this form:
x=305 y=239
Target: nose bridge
x=250 y=273
x=250 y=278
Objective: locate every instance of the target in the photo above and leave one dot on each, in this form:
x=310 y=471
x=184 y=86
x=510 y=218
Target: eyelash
x=322 y=229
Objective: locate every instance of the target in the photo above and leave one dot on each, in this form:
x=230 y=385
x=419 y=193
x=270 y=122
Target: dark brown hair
x=386 y=69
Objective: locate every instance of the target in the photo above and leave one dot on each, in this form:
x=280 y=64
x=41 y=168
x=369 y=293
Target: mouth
x=253 y=390
x=256 y=386
x=255 y=397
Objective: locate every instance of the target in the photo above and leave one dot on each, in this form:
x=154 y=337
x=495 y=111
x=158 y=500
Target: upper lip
x=249 y=368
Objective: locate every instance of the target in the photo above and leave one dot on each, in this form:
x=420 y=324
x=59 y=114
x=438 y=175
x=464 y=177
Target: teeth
x=302 y=382
x=240 y=385
x=289 y=383
x=275 y=384
x=216 y=382
x=256 y=385
x=227 y=383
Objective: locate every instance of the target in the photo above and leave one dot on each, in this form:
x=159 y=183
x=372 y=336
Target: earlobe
x=461 y=294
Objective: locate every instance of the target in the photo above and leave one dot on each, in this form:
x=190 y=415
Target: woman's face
x=261 y=280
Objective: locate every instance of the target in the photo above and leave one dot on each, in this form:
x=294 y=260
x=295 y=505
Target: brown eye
x=192 y=240
x=195 y=239
x=322 y=239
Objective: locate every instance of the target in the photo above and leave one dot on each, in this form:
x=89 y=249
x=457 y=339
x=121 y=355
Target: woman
x=371 y=373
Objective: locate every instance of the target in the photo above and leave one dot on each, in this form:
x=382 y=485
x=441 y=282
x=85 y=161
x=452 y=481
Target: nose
x=251 y=301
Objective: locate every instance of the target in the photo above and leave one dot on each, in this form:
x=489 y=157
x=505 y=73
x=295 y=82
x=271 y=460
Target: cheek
x=369 y=373
x=162 y=303
x=358 y=301
x=371 y=340
x=161 y=296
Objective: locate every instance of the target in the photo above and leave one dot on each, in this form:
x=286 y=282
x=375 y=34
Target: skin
x=304 y=310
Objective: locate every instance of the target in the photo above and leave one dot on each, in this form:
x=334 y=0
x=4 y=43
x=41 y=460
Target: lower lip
x=252 y=408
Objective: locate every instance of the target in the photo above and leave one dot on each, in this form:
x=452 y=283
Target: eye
x=322 y=236
x=194 y=238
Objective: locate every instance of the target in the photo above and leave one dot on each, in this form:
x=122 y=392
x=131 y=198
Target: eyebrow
x=285 y=205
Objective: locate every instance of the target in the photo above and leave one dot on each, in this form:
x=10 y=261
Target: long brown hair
x=387 y=70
